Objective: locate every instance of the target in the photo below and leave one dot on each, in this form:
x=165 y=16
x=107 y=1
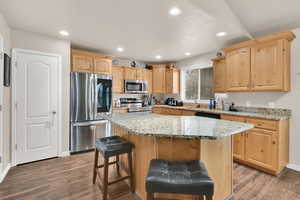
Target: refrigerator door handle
x=92 y=123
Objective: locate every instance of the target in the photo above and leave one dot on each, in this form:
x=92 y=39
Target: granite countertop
x=265 y=113
x=150 y=124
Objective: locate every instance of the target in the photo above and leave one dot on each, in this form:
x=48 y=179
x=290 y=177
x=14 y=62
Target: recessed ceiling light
x=158 y=57
x=221 y=34
x=64 y=33
x=120 y=49
x=187 y=53
x=174 y=11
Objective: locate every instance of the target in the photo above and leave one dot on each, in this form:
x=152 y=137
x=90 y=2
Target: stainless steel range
x=134 y=104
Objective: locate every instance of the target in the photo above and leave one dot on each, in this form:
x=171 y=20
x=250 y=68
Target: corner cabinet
x=219 y=71
x=265 y=147
x=258 y=65
x=89 y=62
x=172 y=81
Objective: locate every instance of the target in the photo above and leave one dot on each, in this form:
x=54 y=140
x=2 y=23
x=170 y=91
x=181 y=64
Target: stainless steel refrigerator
x=90 y=98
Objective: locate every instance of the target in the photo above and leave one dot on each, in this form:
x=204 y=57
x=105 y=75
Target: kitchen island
x=179 y=138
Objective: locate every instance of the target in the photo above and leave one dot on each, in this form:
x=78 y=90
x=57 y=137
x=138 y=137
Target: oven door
x=135 y=86
x=103 y=95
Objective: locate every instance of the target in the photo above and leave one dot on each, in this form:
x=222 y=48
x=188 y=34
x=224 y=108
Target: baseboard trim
x=293 y=167
x=4 y=172
x=64 y=154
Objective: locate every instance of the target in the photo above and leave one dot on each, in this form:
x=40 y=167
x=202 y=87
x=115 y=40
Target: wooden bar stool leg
x=95 y=166
x=130 y=172
x=118 y=165
x=201 y=197
x=150 y=196
x=209 y=197
x=105 y=178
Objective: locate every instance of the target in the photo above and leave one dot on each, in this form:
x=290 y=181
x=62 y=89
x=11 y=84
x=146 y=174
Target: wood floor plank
x=70 y=178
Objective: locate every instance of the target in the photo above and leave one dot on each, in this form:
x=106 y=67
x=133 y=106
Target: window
x=197 y=84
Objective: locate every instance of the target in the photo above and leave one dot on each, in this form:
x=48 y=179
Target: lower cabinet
x=261 y=148
x=265 y=147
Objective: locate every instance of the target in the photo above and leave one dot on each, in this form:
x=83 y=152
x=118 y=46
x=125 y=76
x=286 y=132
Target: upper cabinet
x=102 y=65
x=219 y=67
x=159 y=79
x=256 y=65
x=238 y=70
x=118 y=79
x=129 y=73
x=81 y=62
x=172 y=81
x=141 y=74
x=88 y=62
x=149 y=75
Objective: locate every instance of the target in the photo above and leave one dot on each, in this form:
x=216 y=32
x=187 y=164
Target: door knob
x=53 y=112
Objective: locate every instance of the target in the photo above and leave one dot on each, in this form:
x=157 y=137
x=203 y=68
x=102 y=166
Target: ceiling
x=145 y=29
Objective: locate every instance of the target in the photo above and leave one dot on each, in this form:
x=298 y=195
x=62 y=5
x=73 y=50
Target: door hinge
x=0 y=107
x=16 y=147
x=16 y=64
x=0 y=159
x=16 y=105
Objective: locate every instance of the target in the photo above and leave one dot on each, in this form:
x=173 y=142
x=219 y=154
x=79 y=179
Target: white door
x=1 y=101
x=36 y=106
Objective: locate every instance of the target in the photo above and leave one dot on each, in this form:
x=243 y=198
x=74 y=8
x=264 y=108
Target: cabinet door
x=149 y=80
x=102 y=65
x=172 y=81
x=261 y=148
x=141 y=74
x=238 y=139
x=159 y=74
x=118 y=79
x=267 y=66
x=129 y=73
x=219 y=76
x=238 y=70
x=82 y=63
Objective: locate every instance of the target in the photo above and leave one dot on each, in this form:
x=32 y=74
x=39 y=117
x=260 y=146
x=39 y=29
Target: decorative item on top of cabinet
x=172 y=81
x=262 y=64
x=219 y=67
x=159 y=78
x=118 y=79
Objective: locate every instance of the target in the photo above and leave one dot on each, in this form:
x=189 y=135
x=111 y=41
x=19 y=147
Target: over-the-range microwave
x=136 y=86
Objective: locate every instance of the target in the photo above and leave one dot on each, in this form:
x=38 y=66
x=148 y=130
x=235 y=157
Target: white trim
x=294 y=167
x=1 y=104
x=15 y=51
x=4 y=172
x=64 y=154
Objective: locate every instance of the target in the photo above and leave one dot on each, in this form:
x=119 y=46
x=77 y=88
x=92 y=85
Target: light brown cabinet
x=219 y=67
x=159 y=78
x=265 y=147
x=238 y=70
x=149 y=76
x=172 y=81
x=88 y=62
x=268 y=66
x=102 y=65
x=129 y=73
x=141 y=74
x=257 y=65
x=261 y=148
x=81 y=62
x=118 y=79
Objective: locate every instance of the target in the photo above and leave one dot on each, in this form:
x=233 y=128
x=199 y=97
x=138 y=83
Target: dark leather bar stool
x=109 y=147
x=174 y=177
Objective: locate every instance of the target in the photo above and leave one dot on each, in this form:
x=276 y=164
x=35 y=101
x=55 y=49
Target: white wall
x=198 y=61
x=36 y=42
x=289 y=100
x=5 y=32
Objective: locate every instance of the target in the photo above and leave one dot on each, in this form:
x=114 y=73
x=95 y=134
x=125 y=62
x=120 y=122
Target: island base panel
x=216 y=154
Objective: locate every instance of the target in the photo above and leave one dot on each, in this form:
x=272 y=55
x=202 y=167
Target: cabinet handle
x=274 y=142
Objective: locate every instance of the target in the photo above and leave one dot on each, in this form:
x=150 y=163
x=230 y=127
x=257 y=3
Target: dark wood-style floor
x=70 y=178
